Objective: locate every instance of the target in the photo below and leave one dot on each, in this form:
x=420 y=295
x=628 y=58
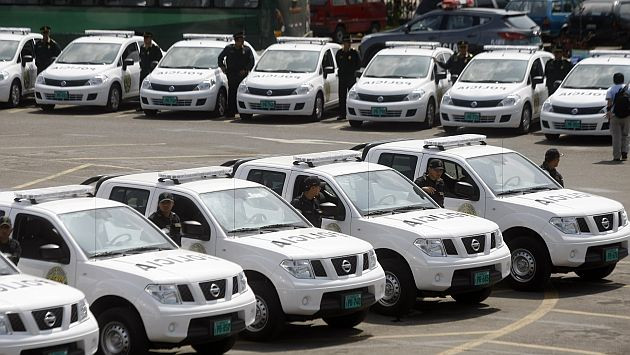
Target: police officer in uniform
x=348 y=62
x=149 y=53
x=45 y=50
x=236 y=60
x=556 y=69
x=457 y=62
x=164 y=217
x=9 y=246
x=552 y=159
x=308 y=202
x=431 y=182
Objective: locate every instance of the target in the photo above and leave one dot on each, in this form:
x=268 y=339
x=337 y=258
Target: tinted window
x=131 y=52
x=624 y=11
x=523 y=22
x=32 y=232
x=328 y=61
x=272 y=179
x=134 y=198
x=454 y=173
x=405 y=164
x=327 y=194
x=597 y=7
x=459 y=22
x=187 y=210
x=431 y=23
x=537 y=69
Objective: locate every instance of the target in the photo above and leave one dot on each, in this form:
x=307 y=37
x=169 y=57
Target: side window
x=339 y=2
x=624 y=12
x=131 y=52
x=327 y=194
x=132 y=197
x=28 y=48
x=459 y=22
x=187 y=210
x=484 y=20
x=32 y=232
x=454 y=173
x=537 y=69
x=328 y=61
x=272 y=179
x=430 y=23
x=405 y=164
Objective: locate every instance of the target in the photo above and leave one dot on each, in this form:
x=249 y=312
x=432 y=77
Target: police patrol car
x=188 y=78
x=17 y=64
x=60 y=323
x=296 y=76
x=502 y=87
x=100 y=69
x=143 y=290
x=296 y=271
x=423 y=249
x=578 y=107
x=548 y=228
x=401 y=83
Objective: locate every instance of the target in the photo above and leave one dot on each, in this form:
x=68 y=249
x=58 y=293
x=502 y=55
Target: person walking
x=552 y=160
x=236 y=61
x=617 y=98
x=556 y=69
x=308 y=202
x=348 y=62
x=456 y=63
x=149 y=53
x=46 y=50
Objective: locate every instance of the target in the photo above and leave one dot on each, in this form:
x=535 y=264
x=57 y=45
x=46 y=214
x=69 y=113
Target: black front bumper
x=333 y=304
x=464 y=280
x=201 y=330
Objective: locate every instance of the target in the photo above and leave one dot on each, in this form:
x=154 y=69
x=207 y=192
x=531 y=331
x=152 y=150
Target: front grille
x=185 y=294
x=206 y=289
x=479 y=103
x=176 y=88
x=66 y=83
x=449 y=246
x=74 y=314
x=277 y=107
x=482 y=119
x=160 y=102
x=493 y=241
x=470 y=241
x=42 y=315
x=71 y=97
x=604 y=222
x=366 y=261
x=388 y=113
x=583 y=225
x=583 y=126
x=270 y=92
x=580 y=110
x=384 y=98
x=318 y=268
x=16 y=322
x=339 y=264
x=234 y=285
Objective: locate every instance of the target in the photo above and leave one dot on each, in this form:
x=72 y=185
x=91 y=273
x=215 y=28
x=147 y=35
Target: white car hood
x=277 y=80
x=579 y=98
x=169 y=76
x=23 y=292
x=73 y=71
x=378 y=86
x=482 y=91
x=565 y=203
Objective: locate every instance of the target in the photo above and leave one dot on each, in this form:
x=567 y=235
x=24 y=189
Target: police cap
x=5 y=221
x=462 y=43
x=312 y=181
x=166 y=196
x=239 y=35
x=552 y=154
x=147 y=34
x=557 y=48
x=436 y=164
x=346 y=38
x=44 y=29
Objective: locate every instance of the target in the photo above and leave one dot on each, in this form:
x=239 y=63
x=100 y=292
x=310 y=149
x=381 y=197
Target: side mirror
x=127 y=63
x=556 y=84
x=328 y=71
x=464 y=190
x=154 y=64
x=26 y=59
x=454 y=77
x=51 y=252
x=194 y=230
x=359 y=73
x=537 y=80
x=439 y=76
x=406 y=29
x=329 y=209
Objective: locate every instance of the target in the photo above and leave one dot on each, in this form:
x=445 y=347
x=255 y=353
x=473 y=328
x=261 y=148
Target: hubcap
x=431 y=114
x=115 y=100
x=15 y=95
x=523 y=265
x=318 y=107
x=262 y=316
x=221 y=104
x=526 y=120
x=115 y=339
x=392 y=290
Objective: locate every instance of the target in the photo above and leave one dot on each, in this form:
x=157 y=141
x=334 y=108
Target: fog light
x=572 y=255
x=305 y=300
x=437 y=277
x=171 y=327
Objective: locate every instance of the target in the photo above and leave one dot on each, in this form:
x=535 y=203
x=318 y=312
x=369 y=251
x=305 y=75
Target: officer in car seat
x=457 y=62
x=164 y=217
x=552 y=159
x=431 y=182
x=308 y=202
x=556 y=69
x=9 y=246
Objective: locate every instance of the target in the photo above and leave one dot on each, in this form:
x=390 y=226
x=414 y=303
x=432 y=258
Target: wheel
x=221 y=104
x=400 y=289
x=429 y=118
x=449 y=129
x=355 y=124
x=121 y=332
x=596 y=274
x=531 y=268
x=339 y=33
x=15 y=94
x=473 y=297
x=318 y=108
x=374 y=27
x=47 y=108
x=245 y=116
x=114 y=97
x=526 y=120
x=269 y=316
x=216 y=347
x=347 y=321
x=150 y=113
x=552 y=137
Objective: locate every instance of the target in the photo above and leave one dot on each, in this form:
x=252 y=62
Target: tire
x=318 y=108
x=474 y=297
x=347 y=321
x=429 y=118
x=246 y=116
x=150 y=113
x=552 y=137
x=339 y=33
x=269 y=315
x=47 y=108
x=15 y=94
x=450 y=129
x=374 y=27
x=400 y=289
x=531 y=267
x=121 y=333
x=114 y=98
x=221 y=104
x=219 y=347
x=526 y=120
x=596 y=274
x=355 y=124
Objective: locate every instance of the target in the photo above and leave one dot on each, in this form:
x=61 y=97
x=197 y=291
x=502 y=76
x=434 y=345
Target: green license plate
x=352 y=301
x=58 y=352
x=379 y=111
x=267 y=105
x=611 y=254
x=482 y=278
x=61 y=95
x=572 y=124
x=222 y=327
x=472 y=116
x=169 y=100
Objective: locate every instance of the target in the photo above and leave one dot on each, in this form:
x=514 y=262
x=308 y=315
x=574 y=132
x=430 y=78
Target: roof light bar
x=423 y=45
x=215 y=37
x=307 y=40
x=332 y=156
x=194 y=174
x=15 y=30
x=494 y=48
x=108 y=33
x=455 y=141
x=609 y=53
x=57 y=192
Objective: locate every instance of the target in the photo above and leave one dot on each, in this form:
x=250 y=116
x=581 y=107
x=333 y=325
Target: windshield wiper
x=241 y=230
x=411 y=208
x=378 y=212
x=281 y=225
x=107 y=253
x=74 y=62
x=537 y=188
x=143 y=249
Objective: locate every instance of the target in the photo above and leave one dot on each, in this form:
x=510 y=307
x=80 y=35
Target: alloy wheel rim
x=15 y=95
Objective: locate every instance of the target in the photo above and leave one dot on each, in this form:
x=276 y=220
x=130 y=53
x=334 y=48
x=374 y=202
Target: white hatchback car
x=295 y=77
x=17 y=64
x=401 y=83
x=578 y=107
x=502 y=87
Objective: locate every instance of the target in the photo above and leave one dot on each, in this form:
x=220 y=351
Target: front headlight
x=547 y=106
x=4 y=75
x=146 y=84
x=242 y=88
x=372 y=261
x=446 y=100
x=352 y=94
x=207 y=84
x=165 y=294
x=5 y=327
x=40 y=79
x=303 y=89
x=567 y=225
x=623 y=218
x=98 y=80
x=242 y=282
x=414 y=95
x=498 y=238
x=300 y=269
x=510 y=100
x=431 y=247
x=82 y=308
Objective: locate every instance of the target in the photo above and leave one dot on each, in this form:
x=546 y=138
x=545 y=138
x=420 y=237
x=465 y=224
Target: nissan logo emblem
x=269 y=92
x=605 y=223
x=171 y=88
x=215 y=290
x=475 y=244
x=346 y=266
x=379 y=99
x=574 y=111
x=473 y=104
x=50 y=319
x=63 y=83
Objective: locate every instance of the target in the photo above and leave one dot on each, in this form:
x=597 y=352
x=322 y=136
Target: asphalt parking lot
x=572 y=316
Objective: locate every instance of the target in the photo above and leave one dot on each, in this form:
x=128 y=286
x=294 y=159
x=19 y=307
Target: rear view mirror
x=464 y=190
x=154 y=64
x=556 y=84
x=359 y=73
x=454 y=77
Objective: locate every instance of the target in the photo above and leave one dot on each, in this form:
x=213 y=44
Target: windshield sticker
x=286 y=76
x=420 y=220
x=583 y=93
x=483 y=87
x=557 y=198
x=16 y=285
x=305 y=237
x=390 y=82
x=468 y=209
x=179 y=72
x=63 y=67
x=57 y=274
x=179 y=259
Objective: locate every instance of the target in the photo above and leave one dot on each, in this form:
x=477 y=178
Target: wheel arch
x=519 y=231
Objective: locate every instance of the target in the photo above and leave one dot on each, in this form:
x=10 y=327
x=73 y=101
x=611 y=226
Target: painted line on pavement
x=300 y=141
x=17 y=110
x=337 y=126
x=403 y=336
x=544 y=347
x=15 y=135
x=53 y=176
x=86 y=146
x=590 y=314
x=159 y=157
x=117 y=167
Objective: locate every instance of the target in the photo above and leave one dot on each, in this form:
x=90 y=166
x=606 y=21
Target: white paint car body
x=14 y=70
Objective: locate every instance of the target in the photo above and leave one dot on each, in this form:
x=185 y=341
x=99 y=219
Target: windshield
x=6 y=268
x=594 y=76
x=191 y=58
x=251 y=210
x=494 y=71
x=113 y=230
x=7 y=50
x=288 y=61
x=89 y=53
x=398 y=66
x=380 y=191
x=511 y=173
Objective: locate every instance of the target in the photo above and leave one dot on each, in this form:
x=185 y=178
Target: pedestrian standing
x=552 y=160
x=556 y=69
x=46 y=50
x=431 y=182
x=308 y=202
x=149 y=53
x=236 y=61
x=165 y=218
x=348 y=62
x=9 y=246
x=456 y=63
x=618 y=117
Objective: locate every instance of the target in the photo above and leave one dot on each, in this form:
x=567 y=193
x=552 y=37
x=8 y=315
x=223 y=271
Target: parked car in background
x=550 y=15
x=603 y=22
x=428 y=5
x=337 y=18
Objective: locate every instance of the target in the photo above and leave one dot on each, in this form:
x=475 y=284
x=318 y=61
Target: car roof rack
x=15 y=30
x=608 y=53
x=207 y=172
x=524 y=49
x=110 y=33
x=412 y=44
x=326 y=157
x=455 y=141
x=53 y=193
x=214 y=37
x=306 y=40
